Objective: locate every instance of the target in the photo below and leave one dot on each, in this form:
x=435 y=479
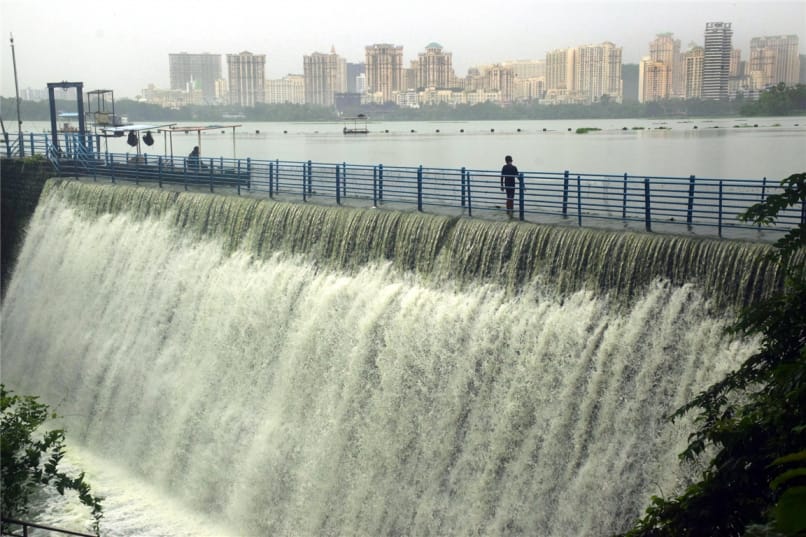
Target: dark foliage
x=29 y=458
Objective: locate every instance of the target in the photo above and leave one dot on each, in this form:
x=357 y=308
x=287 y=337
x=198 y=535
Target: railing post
x=720 y=209
x=304 y=182
x=185 y=172
x=310 y=178
x=238 y=175
x=112 y=166
x=521 y=196
x=763 y=194
x=469 y=197
x=565 y=194
x=211 y=174
x=338 y=184
x=8 y=146
x=579 y=201
x=624 y=199
x=463 y=186
x=420 y=188
x=248 y=173
x=32 y=144
x=344 y=178
x=271 y=179
x=380 y=183
x=647 y=208
x=374 y=186
x=690 y=208
x=159 y=171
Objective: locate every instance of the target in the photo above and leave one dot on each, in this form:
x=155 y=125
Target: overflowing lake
x=749 y=148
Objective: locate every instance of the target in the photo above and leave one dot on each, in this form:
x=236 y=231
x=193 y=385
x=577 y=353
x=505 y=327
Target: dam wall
x=288 y=369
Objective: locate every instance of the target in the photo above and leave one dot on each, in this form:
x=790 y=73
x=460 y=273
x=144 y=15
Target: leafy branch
x=29 y=462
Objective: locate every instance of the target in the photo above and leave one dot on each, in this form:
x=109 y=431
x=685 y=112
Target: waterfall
x=304 y=370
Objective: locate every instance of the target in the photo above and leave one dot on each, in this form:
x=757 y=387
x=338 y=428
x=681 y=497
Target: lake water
x=770 y=147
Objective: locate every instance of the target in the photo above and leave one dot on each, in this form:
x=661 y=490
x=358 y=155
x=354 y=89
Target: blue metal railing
x=12 y=527
x=646 y=201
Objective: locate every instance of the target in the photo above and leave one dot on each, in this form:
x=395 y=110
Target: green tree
x=779 y=100
x=30 y=457
x=752 y=422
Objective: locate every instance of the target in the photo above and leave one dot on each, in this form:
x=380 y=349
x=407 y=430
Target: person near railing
x=509 y=173
x=193 y=158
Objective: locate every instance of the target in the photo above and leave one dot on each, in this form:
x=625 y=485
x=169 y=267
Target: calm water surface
x=727 y=147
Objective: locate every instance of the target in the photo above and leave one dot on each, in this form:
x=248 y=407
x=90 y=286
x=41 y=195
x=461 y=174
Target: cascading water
x=303 y=370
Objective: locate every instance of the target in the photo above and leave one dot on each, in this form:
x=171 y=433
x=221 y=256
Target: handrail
x=26 y=525
x=653 y=202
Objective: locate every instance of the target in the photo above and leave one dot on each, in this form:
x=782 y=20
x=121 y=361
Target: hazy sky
x=124 y=46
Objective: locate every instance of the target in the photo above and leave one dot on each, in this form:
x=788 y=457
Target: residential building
x=474 y=79
x=526 y=68
x=716 y=64
x=433 y=97
x=354 y=70
x=529 y=82
x=694 y=61
x=774 y=59
x=597 y=72
x=195 y=71
x=384 y=70
x=222 y=90
x=171 y=98
x=361 y=83
x=247 y=79
x=407 y=99
x=666 y=50
x=434 y=68
x=653 y=80
x=325 y=75
x=738 y=81
x=560 y=69
x=287 y=90
x=529 y=89
x=498 y=78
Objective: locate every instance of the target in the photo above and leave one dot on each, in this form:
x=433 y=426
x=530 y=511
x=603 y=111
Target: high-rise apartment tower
x=247 y=78
x=195 y=71
x=774 y=59
x=666 y=49
x=716 y=65
x=384 y=70
x=325 y=75
x=693 y=61
x=434 y=68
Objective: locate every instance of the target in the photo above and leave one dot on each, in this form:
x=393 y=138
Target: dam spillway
x=305 y=370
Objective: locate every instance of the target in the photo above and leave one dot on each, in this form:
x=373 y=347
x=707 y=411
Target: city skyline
x=516 y=30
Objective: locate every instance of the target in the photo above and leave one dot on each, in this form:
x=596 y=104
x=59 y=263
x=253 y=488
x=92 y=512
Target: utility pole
x=17 y=91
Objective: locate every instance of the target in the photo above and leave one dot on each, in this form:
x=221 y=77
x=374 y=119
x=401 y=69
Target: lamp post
x=17 y=91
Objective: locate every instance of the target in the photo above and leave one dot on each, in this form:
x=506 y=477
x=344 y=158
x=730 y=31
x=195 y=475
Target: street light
x=17 y=91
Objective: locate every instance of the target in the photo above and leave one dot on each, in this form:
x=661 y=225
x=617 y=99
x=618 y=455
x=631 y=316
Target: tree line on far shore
x=780 y=100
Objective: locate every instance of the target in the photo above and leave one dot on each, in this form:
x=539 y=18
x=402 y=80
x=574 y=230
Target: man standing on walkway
x=509 y=173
